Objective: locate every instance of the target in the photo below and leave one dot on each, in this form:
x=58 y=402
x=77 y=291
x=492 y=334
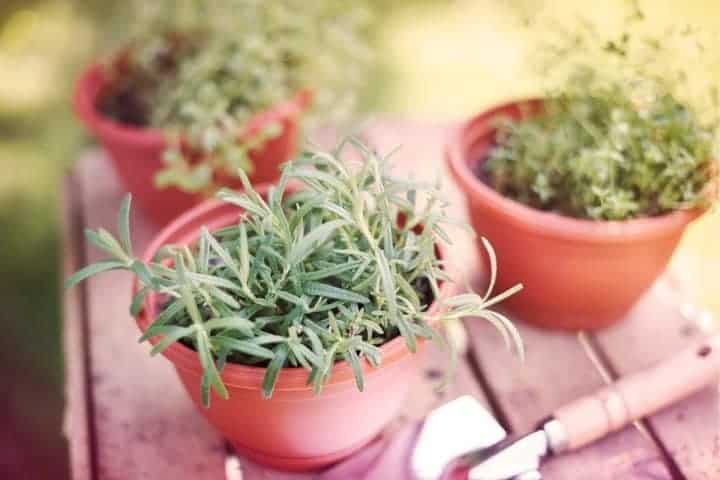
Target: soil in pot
x=127 y=95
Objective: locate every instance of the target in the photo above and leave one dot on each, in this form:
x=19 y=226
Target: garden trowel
x=463 y=432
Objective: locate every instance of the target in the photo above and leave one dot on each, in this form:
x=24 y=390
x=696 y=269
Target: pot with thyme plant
x=586 y=192
x=198 y=92
x=291 y=314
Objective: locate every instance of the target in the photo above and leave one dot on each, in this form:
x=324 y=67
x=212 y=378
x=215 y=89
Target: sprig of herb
x=330 y=272
x=623 y=136
x=199 y=72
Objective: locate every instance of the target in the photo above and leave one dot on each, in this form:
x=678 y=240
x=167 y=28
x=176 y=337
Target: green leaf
x=301 y=351
x=186 y=294
x=104 y=241
x=273 y=370
x=175 y=307
x=171 y=334
x=225 y=298
x=312 y=240
x=137 y=301
x=93 y=269
x=328 y=291
x=215 y=281
x=209 y=368
x=241 y=324
x=352 y=358
x=244 y=254
x=243 y=346
x=329 y=271
x=124 y=223
x=143 y=273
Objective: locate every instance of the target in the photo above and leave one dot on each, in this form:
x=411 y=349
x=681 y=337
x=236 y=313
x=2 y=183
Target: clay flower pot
x=294 y=429
x=136 y=153
x=578 y=274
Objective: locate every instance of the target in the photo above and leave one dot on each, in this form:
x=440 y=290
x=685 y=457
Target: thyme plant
x=622 y=137
x=200 y=70
x=305 y=278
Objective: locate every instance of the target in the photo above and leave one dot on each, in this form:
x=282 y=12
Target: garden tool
x=572 y=426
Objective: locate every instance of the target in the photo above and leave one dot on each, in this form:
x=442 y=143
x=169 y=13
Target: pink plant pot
x=294 y=429
x=577 y=274
x=136 y=153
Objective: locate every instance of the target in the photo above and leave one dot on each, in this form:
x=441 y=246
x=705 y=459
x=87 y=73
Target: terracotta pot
x=294 y=429
x=578 y=274
x=136 y=153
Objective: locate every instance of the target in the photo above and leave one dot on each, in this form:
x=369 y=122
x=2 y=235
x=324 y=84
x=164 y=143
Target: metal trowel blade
x=453 y=430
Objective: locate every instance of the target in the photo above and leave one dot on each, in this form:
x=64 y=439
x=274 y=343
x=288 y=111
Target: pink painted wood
x=127 y=416
x=690 y=431
x=75 y=425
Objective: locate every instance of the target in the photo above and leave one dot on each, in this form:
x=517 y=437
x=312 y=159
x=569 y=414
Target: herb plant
x=306 y=277
x=199 y=71
x=618 y=139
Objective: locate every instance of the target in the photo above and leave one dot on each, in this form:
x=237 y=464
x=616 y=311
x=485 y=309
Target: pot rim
x=216 y=214
x=458 y=158
x=91 y=81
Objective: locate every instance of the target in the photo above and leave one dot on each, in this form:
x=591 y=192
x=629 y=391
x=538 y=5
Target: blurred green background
x=437 y=60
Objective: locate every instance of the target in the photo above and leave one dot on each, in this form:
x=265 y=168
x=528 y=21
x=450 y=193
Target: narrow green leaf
x=213 y=280
x=137 y=301
x=493 y=266
x=312 y=240
x=171 y=335
x=107 y=239
x=337 y=293
x=93 y=269
x=273 y=369
x=124 y=224
x=241 y=324
x=225 y=298
x=352 y=358
x=175 y=307
x=209 y=367
x=244 y=254
x=143 y=273
x=244 y=346
x=329 y=271
x=101 y=242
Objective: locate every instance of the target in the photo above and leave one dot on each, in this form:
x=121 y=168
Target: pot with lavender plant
x=292 y=313
x=587 y=192
x=197 y=93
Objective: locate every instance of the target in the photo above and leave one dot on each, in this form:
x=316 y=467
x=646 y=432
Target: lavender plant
x=202 y=70
x=623 y=136
x=305 y=278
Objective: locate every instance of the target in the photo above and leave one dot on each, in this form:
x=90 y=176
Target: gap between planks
x=78 y=426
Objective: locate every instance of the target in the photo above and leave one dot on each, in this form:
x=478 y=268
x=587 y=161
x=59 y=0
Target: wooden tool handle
x=640 y=394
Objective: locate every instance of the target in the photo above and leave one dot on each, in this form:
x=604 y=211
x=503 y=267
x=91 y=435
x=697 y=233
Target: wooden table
x=127 y=416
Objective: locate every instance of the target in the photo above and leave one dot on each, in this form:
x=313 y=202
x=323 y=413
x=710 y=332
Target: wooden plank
x=75 y=421
x=690 y=431
x=557 y=370
x=438 y=385
x=146 y=424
